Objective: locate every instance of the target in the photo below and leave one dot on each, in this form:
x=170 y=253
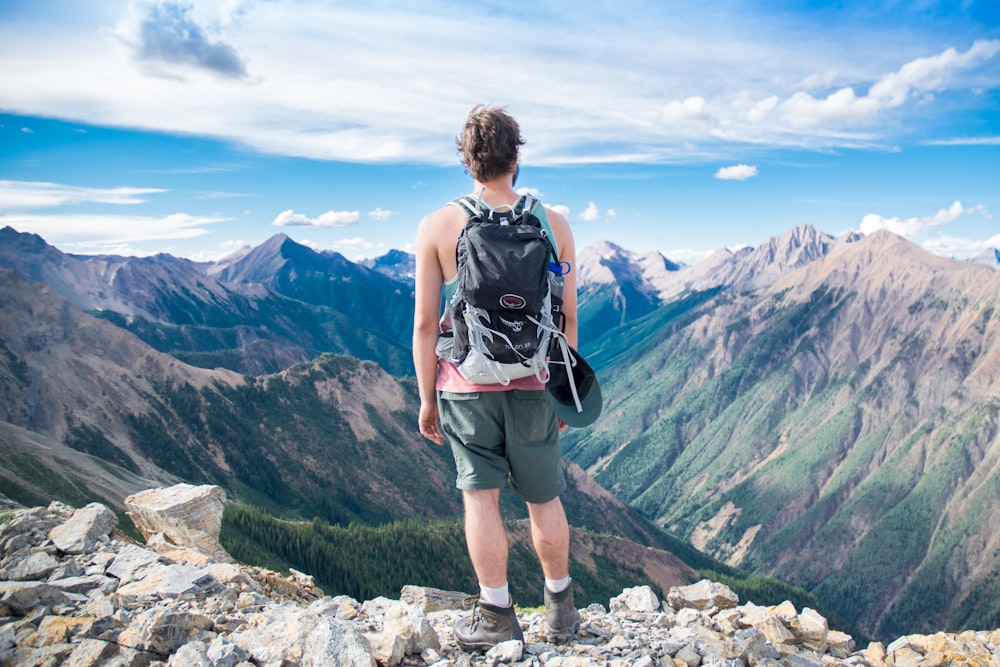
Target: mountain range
x=835 y=427
x=819 y=409
x=259 y=310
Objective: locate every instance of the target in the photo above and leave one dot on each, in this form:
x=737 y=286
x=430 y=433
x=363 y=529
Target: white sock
x=557 y=585
x=499 y=597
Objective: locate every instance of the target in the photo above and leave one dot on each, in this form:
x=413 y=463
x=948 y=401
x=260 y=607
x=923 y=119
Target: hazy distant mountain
x=129 y=286
x=617 y=286
x=990 y=258
x=748 y=269
x=259 y=310
x=837 y=428
x=396 y=264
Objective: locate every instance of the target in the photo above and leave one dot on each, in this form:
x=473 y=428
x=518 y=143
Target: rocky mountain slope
x=75 y=591
x=837 y=428
x=91 y=412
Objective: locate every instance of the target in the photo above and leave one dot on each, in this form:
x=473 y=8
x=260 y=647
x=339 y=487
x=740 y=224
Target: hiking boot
x=561 y=617
x=486 y=627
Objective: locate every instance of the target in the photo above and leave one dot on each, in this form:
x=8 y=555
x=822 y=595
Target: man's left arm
x=567 y=254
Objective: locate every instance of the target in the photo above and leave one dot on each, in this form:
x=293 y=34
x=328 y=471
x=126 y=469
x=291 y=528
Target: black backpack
x=505 y=310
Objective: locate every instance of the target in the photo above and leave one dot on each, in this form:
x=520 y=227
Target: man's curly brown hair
x=489 y=143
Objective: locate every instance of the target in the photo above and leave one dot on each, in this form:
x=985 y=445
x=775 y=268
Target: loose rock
x=75 y=592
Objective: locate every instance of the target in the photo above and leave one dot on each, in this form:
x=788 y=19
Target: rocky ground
x=76 y=591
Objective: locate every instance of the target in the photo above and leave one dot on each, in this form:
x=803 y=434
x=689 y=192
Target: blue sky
x=140 y=126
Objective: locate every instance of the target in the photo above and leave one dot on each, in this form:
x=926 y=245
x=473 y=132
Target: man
x=498 y=433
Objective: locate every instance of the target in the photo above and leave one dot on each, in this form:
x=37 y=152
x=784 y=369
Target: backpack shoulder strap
x=467 y=204
x=543 y=217
x=524 y=203
x=472 y=207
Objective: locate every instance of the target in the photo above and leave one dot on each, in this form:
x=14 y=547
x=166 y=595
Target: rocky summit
x=77 y=591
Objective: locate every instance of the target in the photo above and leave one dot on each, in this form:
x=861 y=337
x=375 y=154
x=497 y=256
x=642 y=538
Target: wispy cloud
x=108 y=233
x=964 y=141
x=739 y=172
x=33 y=195
x=290 y=218
x=594 y=214
x=380 y=214
x=911 y=226
x=342 y=82
x=959 y=247
x=917 y=77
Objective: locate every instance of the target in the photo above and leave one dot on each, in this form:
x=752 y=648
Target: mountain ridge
x=185 y=309
x=797 y=429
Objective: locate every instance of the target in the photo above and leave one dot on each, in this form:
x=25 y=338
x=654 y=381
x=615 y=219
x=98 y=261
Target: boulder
x=84 y=529
x=186 y=516
x=703 y=595
x=639 y=599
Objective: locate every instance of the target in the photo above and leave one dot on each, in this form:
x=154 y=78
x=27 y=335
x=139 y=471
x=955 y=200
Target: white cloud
x=691 y=110
x=358 y=248
x=594 y=214
x=961 y=248
x=290 y=218
x=739 y=172
x=352 y=243
x=802 y=110
x=687 y=256
x=32 y=195
x=930 y=74
x=964 y=141
x=98 y=234
x=922 y=75
x=304 y=79
x=755 y=111
x=561 y=209
x=911 y=226
x=380 y=214
x=591 y=213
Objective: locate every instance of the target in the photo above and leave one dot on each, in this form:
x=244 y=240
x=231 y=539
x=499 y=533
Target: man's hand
x=429 y=422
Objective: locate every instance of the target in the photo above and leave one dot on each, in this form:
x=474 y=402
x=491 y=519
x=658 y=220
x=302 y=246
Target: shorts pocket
x=535 y=421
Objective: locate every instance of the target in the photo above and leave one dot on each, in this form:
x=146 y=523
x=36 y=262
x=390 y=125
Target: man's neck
x=498 y=191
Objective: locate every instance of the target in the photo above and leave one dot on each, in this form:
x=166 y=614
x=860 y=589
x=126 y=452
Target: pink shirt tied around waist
x=449 y=379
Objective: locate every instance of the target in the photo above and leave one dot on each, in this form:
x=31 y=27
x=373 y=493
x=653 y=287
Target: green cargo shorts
x=504 y=436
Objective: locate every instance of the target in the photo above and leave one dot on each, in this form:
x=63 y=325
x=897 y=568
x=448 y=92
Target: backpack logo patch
x=513 y=325
x=512 y=302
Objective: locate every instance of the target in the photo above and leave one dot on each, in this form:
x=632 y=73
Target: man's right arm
x=427 y=310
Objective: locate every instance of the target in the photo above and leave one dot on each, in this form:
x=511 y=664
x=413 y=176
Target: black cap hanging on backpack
x=573 y=387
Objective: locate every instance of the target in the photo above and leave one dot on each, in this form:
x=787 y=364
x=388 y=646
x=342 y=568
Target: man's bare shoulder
x=562 y=231
x=443 y=224
x=555 y=217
